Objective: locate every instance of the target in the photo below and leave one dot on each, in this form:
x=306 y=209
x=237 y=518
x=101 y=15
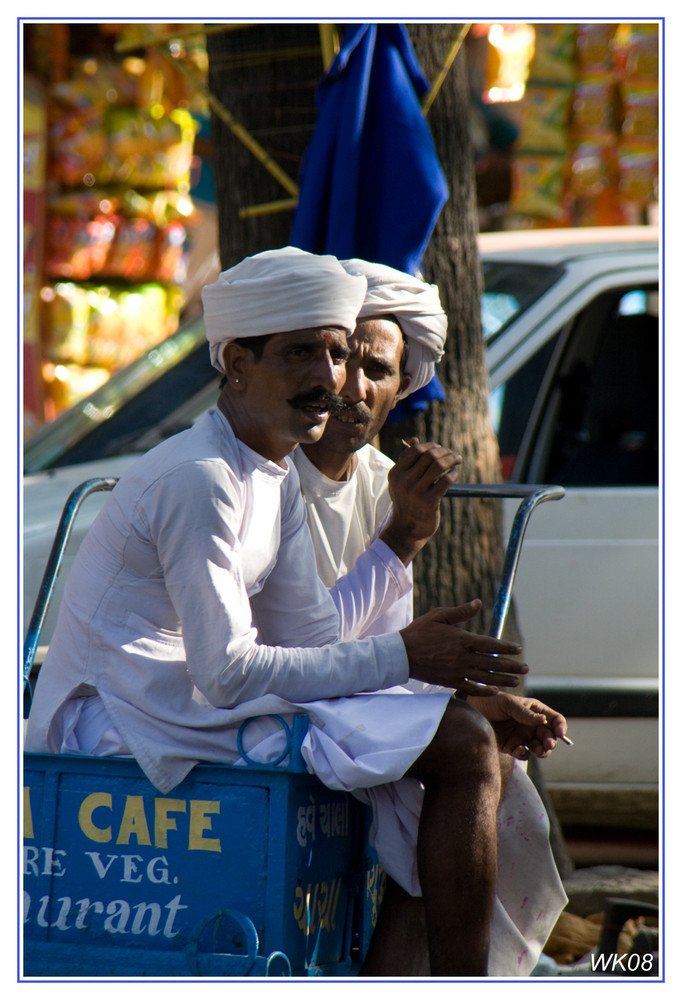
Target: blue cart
x=243 y=870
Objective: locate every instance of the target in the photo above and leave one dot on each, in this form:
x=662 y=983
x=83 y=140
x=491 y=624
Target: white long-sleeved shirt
x=194 y=603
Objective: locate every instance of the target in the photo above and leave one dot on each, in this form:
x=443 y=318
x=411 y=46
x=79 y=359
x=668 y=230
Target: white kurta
x=193 y=604
x=344 y=519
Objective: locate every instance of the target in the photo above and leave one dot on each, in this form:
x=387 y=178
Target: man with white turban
x=358 y=502
x=194 y=603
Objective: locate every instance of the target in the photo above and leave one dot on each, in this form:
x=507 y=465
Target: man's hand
x=522 y=725
x=439 y=652
x=417 y=483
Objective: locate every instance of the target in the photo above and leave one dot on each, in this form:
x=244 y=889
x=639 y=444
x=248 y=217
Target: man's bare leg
x=456 y=856
x=457 y=842
x=399 y=941
x=506 y=768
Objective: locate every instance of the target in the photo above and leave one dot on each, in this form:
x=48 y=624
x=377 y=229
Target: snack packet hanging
x=538 y=185
x=544 y=118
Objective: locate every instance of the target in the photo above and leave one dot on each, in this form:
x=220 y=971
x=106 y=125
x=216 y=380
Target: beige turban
x=278 y=291
x=416 y=307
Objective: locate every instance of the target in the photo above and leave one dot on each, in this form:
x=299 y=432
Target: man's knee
x=463 y=743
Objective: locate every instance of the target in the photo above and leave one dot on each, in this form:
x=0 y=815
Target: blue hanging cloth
x=417 y=401
x=371 y=185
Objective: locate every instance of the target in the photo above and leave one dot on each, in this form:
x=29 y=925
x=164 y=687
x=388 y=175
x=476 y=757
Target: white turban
x=417 y=309
x=278 y=291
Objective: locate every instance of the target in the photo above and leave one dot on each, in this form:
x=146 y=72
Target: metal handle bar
x=48 y=583
x=530 y=497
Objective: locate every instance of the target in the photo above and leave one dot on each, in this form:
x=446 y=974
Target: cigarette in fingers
x=446 y=473
x=443 y=474
x=564 y=739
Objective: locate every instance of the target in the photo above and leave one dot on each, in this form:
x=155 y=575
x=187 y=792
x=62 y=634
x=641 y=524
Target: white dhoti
x=364 y=745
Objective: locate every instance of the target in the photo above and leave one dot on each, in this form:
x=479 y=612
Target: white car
x=571 y=322
x=575 y=401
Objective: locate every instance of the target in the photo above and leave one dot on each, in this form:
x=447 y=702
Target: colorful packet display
x=117 y=244
x=594 y=167
x=131 y=148
x=538 y=182
x=638 y=176
x=120 y=147
x=593 y=95
x=132 y=253
x=594 y=105
x=145 y=151
x=77 y=248
x=105 y=326
x=595 y=47
x=170 y=263
x=97 y=84
x=554 y=54
x=638 y=54
x=544 y=118
x=78 y=147
x=640 y=114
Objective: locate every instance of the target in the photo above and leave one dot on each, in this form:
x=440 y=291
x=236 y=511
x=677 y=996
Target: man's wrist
x=402 y=543
x=487 y=706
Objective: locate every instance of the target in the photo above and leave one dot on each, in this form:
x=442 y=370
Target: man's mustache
x=356 y=410
x=319 y=398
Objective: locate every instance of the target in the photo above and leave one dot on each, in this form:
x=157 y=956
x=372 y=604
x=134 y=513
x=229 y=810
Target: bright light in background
x=107 y=306
x=513 y=44
x=184 y=206
x=134 y=303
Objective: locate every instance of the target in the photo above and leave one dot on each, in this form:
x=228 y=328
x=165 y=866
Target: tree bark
x=464 y=559
x=265 y=75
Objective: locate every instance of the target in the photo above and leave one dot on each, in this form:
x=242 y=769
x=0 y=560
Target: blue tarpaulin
x=371 y=185
x=417 y=401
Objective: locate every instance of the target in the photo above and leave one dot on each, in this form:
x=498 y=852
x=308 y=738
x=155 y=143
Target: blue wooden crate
x=239 y=871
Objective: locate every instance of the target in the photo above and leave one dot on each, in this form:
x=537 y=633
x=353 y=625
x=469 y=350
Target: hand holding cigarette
x=446 y=472
x=417 y=483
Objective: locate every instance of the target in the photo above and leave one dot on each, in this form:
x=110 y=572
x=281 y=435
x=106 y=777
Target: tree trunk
x=265 y=75
x=464 y=559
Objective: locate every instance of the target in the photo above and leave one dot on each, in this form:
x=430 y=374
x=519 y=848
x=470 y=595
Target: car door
x=583 y=411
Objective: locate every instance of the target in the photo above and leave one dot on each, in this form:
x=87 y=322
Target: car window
x=585 y=409
x=509 y=289
x=111 y=420
x=160 y=409
x=511 y=404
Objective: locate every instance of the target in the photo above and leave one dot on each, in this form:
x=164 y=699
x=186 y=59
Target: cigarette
x=564 y=739
x=446 y=473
